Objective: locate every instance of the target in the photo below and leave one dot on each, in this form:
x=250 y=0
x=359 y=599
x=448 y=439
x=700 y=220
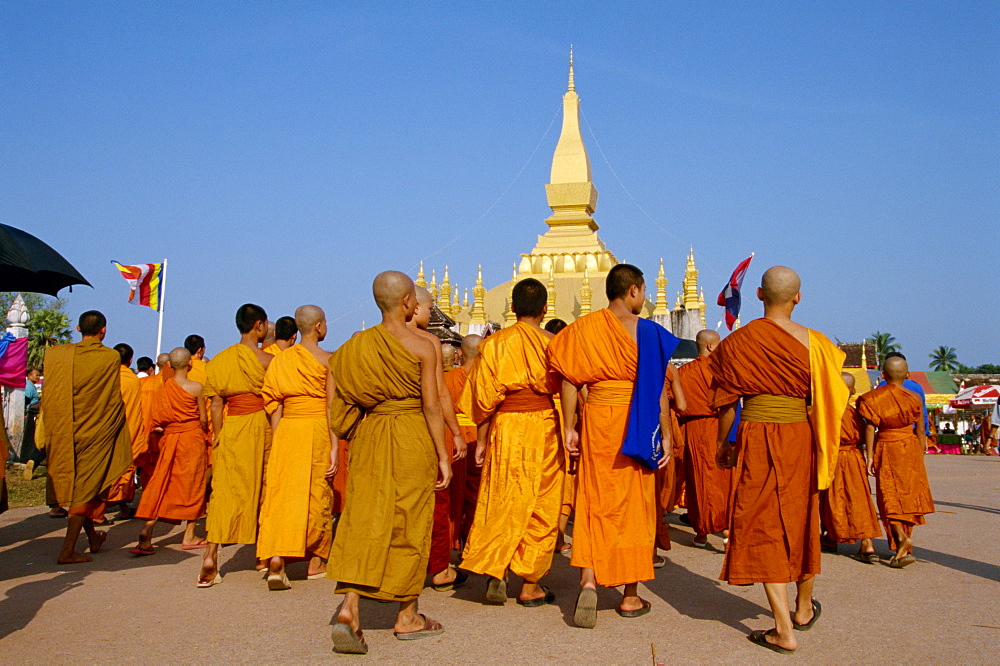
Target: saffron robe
x=236 y=375
x=774 y=523
x=146 y=462
x=84 y=433
x=382 y=543
x=901 y=487
x=273 y=349
x=296 y=519
x=176 y=489
x=465 y=474
x=520 y=493
x=670 y=478
x=615 y=525
x=846 y=508
x=123 y=490
x=708 y=486
x=199 y=373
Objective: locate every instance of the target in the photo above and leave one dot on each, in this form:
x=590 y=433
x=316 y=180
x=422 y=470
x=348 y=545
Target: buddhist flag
x=144 y=283
x=729 y=298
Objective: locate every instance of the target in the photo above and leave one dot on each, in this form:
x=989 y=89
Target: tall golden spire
x=509 y=318
x=702 y=306
x=691 y=301
x=572 y=83
x=433 y=286
x=444 y=299
x=585 y=293
x=551 y=300
x=465 y=301
x=420 y=281
x=661 y=307
x=456 y=302
x=478 y=314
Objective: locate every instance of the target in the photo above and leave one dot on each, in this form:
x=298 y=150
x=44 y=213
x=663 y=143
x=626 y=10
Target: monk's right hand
x=572 y=439
x=871 y=468
x=724 y=456
x=480 y=454
x=444 y=474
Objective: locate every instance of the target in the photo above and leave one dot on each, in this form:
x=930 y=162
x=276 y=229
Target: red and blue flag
x=729 y=298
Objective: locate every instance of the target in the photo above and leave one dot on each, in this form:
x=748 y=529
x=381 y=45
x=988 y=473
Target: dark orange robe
x=901 y=488
x=670 y=478
x=176 y=490
x=774 y=509
x=615 y=526
x=465 y=474
x=708 y=485
x=123 y=490
x=846 y=508
x=146 y=462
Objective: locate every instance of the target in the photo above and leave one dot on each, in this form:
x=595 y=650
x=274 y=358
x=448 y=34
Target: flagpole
x=163 y=299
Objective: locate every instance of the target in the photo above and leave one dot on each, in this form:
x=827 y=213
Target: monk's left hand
x=668 y=455
x=331 y=471
x=461 y=448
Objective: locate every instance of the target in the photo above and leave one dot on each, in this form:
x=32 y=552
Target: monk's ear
x=78 y=330
x=797 y=298
x=760 y=294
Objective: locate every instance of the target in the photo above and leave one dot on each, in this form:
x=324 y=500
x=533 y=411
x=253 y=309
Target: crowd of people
x=415 y=451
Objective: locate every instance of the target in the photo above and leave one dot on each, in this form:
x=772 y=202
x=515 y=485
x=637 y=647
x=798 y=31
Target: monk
x=149 y=386
x=775 y=364
x=444 y=576
x=846 y=510
x=896 y=441
x=465 y=477
x=176 y=490
x=235 y=378
x=164 y=371
x=388 y=373
x=509 y=397
x=284 y=333
x=296 y=519
x=83 y=430
x=122 y=491
x=569 y=480
x=615 y=528
x=708 y=485
x=195 y=344
x=144 y=367
x=670 y=479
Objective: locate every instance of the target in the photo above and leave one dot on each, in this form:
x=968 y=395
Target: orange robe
x=296 y=518
x=176 y=490
x=708 y=485
x=236 y=375
x=465 y=475
x=774 y=508
x=340 y=478
x=615 y=526
x=670 y=479
x=199 y=373
x=123 y=490
x=846 y=508
x=901 y=487
x=147 y=461
x=520 y=494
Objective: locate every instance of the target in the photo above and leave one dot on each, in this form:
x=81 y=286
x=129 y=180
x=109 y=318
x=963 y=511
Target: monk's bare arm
x=482 y=440
x=430 y=366
x=680 y=402
x=665 y=430
x=217 y=405
x=870 y=448
x=202 y=416
x=331 y=387
x=276 y=417
x=922 y=433
x=568 y=402
x=725 y=455
x=448 y=412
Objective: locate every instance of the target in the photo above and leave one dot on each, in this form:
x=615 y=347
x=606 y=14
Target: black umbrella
x=28 y=264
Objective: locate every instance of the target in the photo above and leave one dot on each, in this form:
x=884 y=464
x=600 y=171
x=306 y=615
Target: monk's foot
x=531 y=591
x=74 y=558
x=58 y=512
x=905 y=548
x=261 y=565
x=409 y=623
x=344 y=616
x=773 y=641
x=631 y=603
x=97 y=541
x=445 y=577
x=701 y=540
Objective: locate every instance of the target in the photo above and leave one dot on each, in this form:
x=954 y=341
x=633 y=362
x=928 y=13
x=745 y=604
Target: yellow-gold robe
x=520 y=493
x=384 y=535
x=236 y=375
x=124 y=488
x=296 y=518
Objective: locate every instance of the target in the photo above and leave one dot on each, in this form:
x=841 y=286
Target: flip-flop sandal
x=348 y=641
x=873 y=558
x=638 y=612
x=585 y=614
x=865 y=558
x=431 y=628
x=548 y=599
x=203 y=583
x=62 y=514
x=278 y=582
x=899 y=563
x=698 y=544
x=817 y=611
x=565 y=550
x=316 y=576
x=141 y=551
x=460 y=578
x=496 y=592
x=760 y=638
x=659 y=562
x=103 y=536
x=195 y=546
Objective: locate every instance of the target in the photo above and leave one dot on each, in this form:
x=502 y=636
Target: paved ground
x=125 y=609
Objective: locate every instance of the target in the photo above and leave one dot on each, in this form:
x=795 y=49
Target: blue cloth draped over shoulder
x=643 y=439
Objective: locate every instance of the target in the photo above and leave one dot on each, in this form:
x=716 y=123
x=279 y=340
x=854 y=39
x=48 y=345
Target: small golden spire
x=679 y=303
x=444 y=299
x=864 y=354
x=572 y=83
x=433 y=286
x=691 y=301
x=478 y=313
x=702 y=306
x=465 y=301
x=509 y=318
x=585 y=293
x=551 y=300
x=661 y=307
x=420 y=281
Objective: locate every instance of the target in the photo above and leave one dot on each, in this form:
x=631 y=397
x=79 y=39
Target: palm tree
x=884 y=343
x=944 y=359
x=46 y=328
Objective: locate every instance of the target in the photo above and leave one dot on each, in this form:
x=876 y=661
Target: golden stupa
x=569 y=258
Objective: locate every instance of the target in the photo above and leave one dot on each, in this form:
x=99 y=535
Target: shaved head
x=895 y=369
x=307 y=316
x=179 y=358
x=389 y=289
x=779 y=285
x=270 y=338
x=706 y=340
x=470 y=346
x=425 y=303
x=849 y=380
x=424 y=297
x=162 y=360
x=448 y=353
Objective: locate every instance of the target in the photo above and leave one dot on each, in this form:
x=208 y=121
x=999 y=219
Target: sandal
x=278 y=582
x=900 y=562
x=205 y=582
x=585 y=614
x=496 y=592
x=548 y=599
x=760 y=638
x=431 y=628
x=460 y=578
x=867 y=558
x=638 y=612
x=139 y=551
x=348 y=641
x=817 y=611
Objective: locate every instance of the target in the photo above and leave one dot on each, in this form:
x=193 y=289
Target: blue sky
x=284 y=153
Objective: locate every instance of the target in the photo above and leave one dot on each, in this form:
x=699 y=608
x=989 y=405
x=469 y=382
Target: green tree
x=944 y=359
x=48 y=325
x=884 y=344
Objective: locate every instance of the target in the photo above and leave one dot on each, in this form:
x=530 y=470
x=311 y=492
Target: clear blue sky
x=284 y=153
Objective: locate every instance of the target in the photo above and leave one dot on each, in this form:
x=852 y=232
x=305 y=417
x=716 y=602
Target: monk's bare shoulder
x=321 y=355
x=417 y=344
x=262 y=356
x=548 y=334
